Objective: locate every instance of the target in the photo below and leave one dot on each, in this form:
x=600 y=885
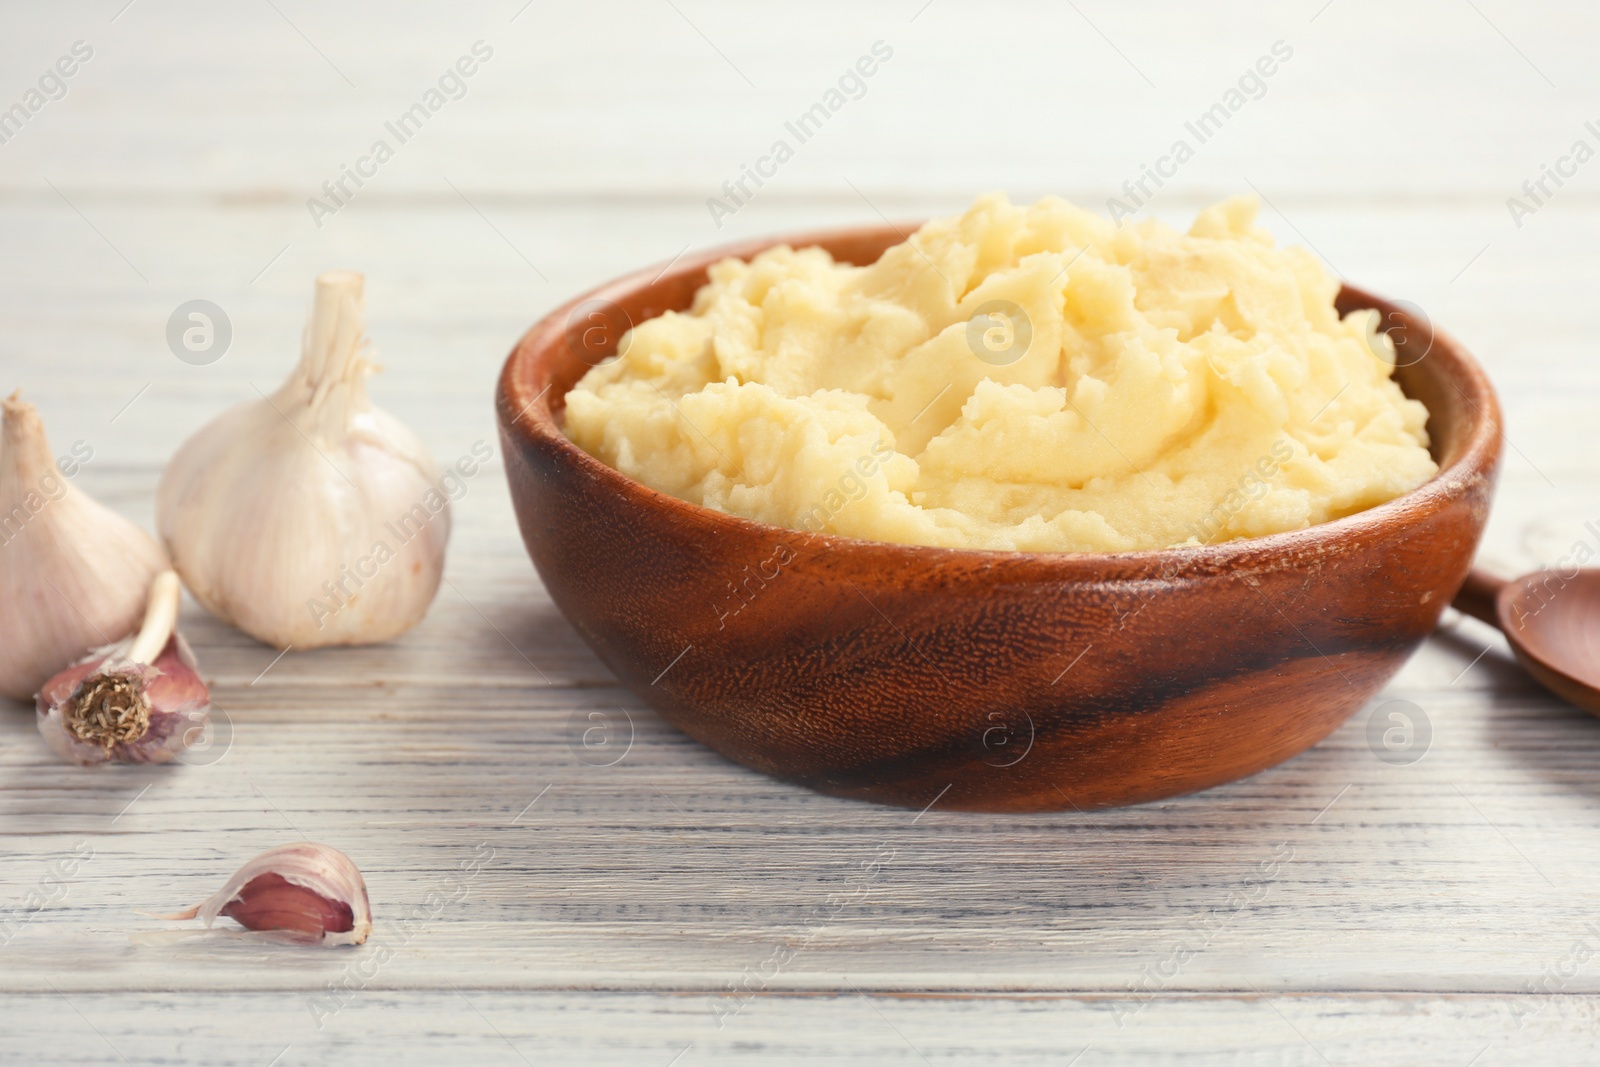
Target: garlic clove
x=310 y=518
x=272 y=902
x=140 y=700
x=73 y=574
x=306 y=891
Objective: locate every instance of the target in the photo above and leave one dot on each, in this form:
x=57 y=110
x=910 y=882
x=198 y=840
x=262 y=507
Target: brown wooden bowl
x=994 y=681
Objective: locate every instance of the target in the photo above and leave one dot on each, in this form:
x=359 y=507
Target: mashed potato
x=1024 y=378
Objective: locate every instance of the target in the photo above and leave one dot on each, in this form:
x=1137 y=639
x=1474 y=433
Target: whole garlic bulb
x=309 y=517
x=73 y=574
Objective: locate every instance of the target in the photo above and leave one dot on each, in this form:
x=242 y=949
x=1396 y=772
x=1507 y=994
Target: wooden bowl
x=993 y=681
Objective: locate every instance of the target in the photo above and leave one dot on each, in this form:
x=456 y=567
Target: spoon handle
x=1477 y=596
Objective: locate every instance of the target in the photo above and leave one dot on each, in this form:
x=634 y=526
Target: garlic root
x=73 y=573
x=140 y=700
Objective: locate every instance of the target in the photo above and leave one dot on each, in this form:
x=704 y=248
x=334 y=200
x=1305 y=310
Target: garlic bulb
x=310 y=517
x=306 y=891
x=73 y=574
x=140 y=700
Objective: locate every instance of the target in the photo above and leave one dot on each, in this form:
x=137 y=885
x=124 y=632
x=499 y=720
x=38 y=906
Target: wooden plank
x=470 y=1025
x=1415 y=914
x=442 y=327
x=183 y=98
x=673 y=869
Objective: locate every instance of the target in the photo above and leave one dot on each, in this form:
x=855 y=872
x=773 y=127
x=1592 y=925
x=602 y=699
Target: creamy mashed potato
x=1024 y=378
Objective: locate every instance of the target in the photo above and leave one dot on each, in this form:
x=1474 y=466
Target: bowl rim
x=529 y=418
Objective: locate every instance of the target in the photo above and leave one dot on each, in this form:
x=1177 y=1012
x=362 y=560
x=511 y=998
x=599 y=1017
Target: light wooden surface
x=1443 y=912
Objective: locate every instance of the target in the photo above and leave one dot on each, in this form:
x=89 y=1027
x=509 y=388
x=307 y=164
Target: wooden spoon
x=1552 y=621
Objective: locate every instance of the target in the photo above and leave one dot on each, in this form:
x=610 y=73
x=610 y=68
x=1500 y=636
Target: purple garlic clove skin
x=105 y=709
x=305 y=891
x=140 y=700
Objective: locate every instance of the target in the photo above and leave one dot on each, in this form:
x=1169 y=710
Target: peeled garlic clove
x=309 y=892
x=140 y=700
x=310 y=518
x=73 y=574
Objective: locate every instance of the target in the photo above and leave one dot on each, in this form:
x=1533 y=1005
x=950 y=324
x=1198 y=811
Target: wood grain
x=672 y=869
x=1422 y=902
x=628 y=1029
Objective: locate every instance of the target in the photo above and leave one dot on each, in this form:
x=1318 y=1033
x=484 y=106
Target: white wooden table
x=1442 y=912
